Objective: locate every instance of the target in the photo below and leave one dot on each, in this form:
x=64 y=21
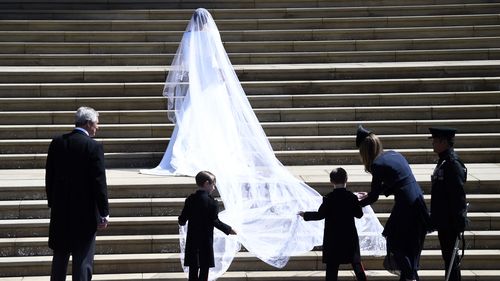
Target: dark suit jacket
x=409 y=220
x=340 y=239
x=201 y=210
x=75 y=183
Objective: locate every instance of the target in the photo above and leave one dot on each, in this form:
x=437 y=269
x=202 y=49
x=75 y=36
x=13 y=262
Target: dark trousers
x=332 y=271
x=408 y=263
x=198 y=273
x=407 y=256
x=447 y=240
x=81 y=265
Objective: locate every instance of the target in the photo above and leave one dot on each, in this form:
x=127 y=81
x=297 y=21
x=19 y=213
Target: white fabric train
x=217 y=130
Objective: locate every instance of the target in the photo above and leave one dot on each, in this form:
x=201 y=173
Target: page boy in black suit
x=201 y=210
x=340 y=239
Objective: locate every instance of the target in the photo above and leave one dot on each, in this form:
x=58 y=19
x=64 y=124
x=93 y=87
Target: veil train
x=217 y=130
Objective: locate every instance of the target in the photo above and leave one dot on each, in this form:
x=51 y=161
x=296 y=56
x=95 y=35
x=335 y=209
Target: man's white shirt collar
x=83 y=130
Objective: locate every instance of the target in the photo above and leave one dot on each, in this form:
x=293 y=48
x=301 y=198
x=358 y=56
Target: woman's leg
x=405 y=265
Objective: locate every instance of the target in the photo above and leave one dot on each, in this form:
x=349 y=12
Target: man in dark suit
x=201 y=210
x=75 y=183
x=448 y=203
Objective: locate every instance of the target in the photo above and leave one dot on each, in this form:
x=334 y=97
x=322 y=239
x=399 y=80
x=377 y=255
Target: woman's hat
x=361 y=134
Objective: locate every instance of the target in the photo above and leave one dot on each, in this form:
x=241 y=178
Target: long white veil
x=217 y=130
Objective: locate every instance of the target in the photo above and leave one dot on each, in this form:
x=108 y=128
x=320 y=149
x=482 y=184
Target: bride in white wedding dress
x=217 y=130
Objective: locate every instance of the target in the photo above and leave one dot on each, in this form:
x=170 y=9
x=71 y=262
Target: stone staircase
x=312 y=70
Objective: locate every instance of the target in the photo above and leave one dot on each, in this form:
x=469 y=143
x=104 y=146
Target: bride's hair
x=199 y=19
x=369 y=149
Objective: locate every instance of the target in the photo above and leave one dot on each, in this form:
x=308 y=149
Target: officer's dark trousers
x=81 y=264
x=198 y=273
x=332 y=271
x=447 y=240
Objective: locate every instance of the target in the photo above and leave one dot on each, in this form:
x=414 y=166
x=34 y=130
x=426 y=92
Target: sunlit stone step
x=270 y=72
x=234 y=48
x=279 y=143
x=312 y=114
x=24 y=109
x=171 y=10
x=28 y=184
x=287 y=87
x=251 y=24
x=254 y=35
x=144 y=207
x=155 y=225
x=272 y=129
x=253 y=58
x=169 y=262
x=345 y=273
x=303 y=157
x=169 y=243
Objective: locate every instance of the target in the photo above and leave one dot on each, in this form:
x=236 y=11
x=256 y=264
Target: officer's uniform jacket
x=448 y=203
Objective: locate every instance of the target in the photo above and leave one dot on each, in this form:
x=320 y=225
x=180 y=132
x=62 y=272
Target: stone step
x=22 y=110
x=169 y=243
x=313 y=128
x=302 y=157
x=380 y=113
x=256 y=35
x=169 y=262
x=254 y=73
x=279 y=143
x=144 y=207
x=28 y=184
x=140 y=8
x=236 y=47
x=345 y=273
x=253 y=58
x=168 y=225
x=252 y=24
x=361 y=86
x=157 y=225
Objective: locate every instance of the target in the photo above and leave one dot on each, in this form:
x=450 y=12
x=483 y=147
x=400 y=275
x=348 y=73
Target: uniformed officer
x=448 y=204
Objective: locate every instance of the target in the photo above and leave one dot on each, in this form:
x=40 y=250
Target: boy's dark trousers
x=332 y=271
x=193 y=273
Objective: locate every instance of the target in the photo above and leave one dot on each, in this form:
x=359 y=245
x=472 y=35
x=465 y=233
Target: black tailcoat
x=75 y=183
x=201 y=210
x=340 y=238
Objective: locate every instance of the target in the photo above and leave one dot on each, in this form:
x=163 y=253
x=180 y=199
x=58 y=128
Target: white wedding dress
x=216 y=130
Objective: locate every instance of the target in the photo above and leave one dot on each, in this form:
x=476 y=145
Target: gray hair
x=85 y=114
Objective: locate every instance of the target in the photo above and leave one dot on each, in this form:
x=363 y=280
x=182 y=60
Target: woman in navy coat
x=409 y=220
